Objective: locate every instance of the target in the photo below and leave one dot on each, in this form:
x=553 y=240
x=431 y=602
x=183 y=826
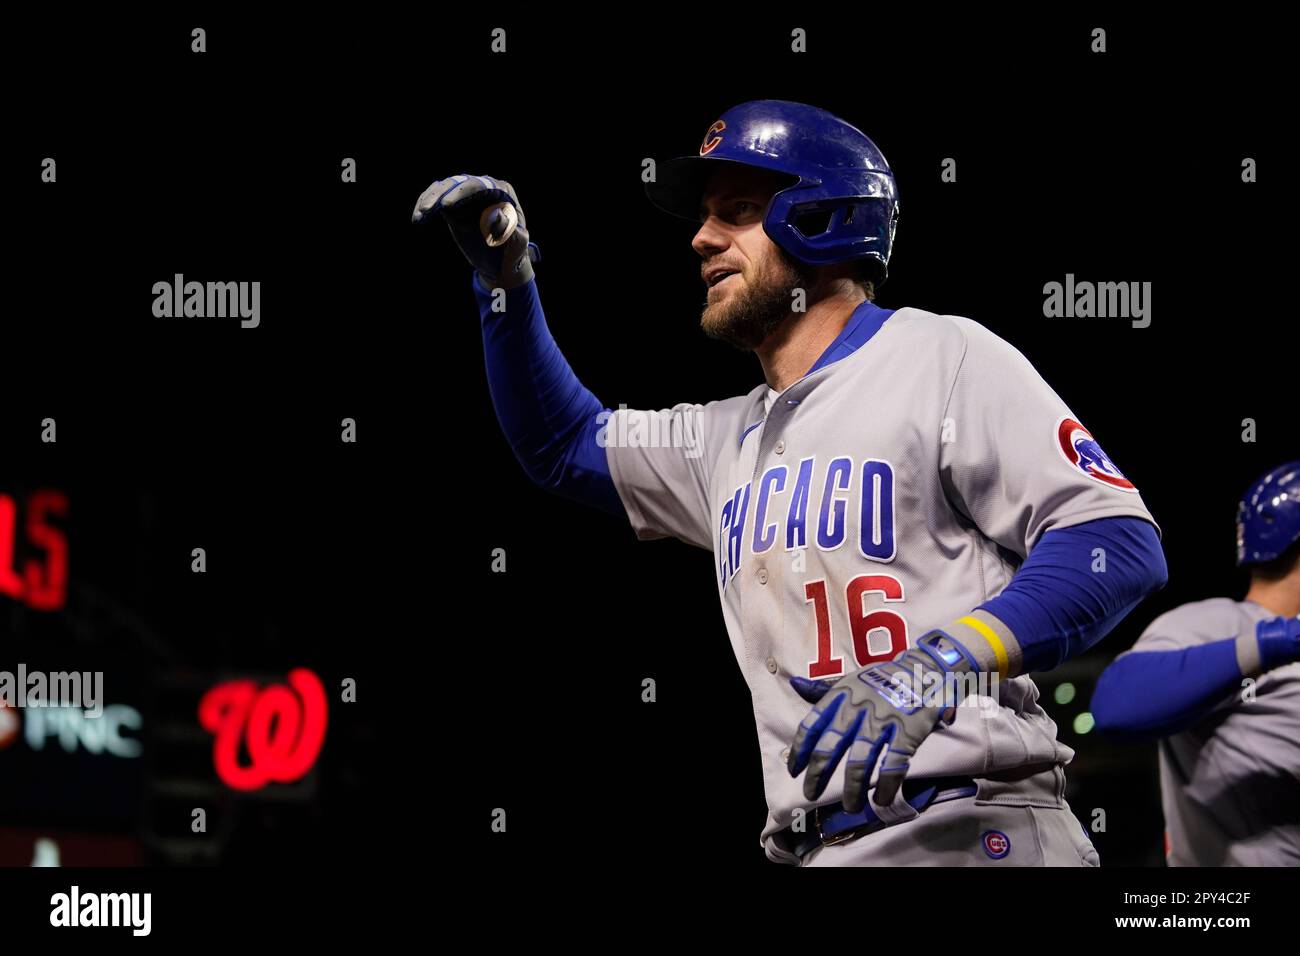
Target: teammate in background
x=1218 y=684
x=902 y=511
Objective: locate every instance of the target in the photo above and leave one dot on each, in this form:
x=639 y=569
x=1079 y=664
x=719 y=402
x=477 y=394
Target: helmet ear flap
x=817 y=229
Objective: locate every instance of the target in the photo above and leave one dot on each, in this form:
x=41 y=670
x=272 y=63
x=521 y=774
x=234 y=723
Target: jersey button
x=779 y=447
x=762 y=575
x=771 y=665
x=785 y=754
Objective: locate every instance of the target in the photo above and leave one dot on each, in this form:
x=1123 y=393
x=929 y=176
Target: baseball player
x=1217 y=683
x=905 y=518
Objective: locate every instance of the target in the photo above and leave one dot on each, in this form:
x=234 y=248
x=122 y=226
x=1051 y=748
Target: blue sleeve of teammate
x=549 y=418
x=1151 y=694
x=1060 y=603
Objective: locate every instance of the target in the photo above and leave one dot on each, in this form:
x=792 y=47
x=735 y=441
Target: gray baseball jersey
x=883 y=494
x=1230 y=786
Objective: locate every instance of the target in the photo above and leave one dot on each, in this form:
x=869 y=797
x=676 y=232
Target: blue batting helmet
x=841 y=203
x=1268 y=518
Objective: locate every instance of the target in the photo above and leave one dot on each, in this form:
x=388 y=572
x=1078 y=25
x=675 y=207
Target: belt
x=833 y=824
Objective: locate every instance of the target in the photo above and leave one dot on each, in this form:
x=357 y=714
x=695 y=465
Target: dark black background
x=522 y=690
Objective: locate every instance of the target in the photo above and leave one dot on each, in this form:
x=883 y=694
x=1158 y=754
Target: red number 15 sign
x=42 y=581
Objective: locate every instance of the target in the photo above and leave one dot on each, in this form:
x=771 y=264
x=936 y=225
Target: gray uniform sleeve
x=1014 y=458
x=659 y=466
x=1175 y=632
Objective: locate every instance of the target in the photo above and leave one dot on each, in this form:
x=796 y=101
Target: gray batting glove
x=463 y=202
x=878 y=715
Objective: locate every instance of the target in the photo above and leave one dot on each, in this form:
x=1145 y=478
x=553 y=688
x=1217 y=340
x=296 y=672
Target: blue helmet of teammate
x=840 y=204
x=1268 y=518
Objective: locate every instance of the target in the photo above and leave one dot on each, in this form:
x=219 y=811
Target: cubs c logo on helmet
x=1082 y=452
x=711 y=138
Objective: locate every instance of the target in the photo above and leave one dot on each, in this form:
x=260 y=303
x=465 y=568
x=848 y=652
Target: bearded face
x=745 y=308
x=750 y=279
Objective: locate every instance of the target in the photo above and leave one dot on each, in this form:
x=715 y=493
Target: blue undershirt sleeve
x=1146 y=695
x=550 y=419
x=1061 y=602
